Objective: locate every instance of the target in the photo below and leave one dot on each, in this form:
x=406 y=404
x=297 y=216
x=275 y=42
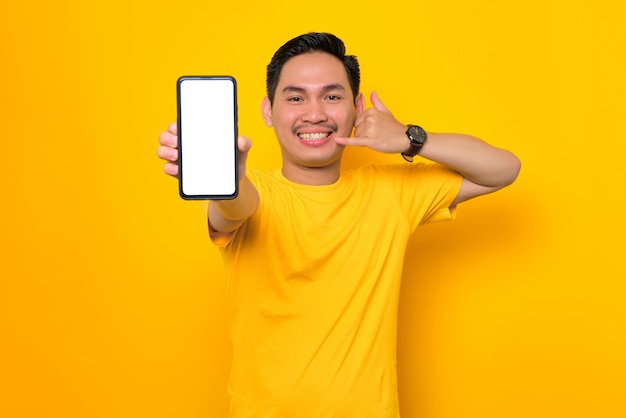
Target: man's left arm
x=484 y=168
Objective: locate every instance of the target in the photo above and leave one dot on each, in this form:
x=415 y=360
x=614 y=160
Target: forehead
x=313 y=69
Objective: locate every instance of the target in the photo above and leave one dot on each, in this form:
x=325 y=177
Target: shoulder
x=258 y=176
x=263 y=179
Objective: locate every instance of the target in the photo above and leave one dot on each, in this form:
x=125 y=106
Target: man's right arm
x=225 y=216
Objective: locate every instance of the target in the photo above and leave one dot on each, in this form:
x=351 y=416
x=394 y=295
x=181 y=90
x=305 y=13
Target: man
x=315 y=254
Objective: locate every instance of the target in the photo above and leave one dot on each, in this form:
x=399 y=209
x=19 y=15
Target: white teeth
x=314 y=136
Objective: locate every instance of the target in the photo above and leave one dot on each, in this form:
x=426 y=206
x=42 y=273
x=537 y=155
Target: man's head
x=313 y=98
x=312 y=42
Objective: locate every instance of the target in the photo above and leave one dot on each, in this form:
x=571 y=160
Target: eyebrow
x=325 y=89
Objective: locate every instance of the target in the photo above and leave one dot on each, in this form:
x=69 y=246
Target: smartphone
x=207 y=137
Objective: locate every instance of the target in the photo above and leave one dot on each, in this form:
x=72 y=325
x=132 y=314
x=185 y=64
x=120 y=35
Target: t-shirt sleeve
x=426 y=192
x=445 y=214
x=218 y=239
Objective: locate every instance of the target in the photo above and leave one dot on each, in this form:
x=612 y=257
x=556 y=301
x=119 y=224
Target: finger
x=168 y=139
x=173 y=128
x=167 y=153
x=360 y=119
x=171 y=169
x=244 y=144
x=364 y=128
x=354 y=141
x=377 y=103
x=364 y=117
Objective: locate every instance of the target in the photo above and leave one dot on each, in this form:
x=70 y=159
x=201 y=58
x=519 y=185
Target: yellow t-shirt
x=313 y=287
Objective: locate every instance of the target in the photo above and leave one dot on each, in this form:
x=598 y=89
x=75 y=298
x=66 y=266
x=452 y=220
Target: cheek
x=348 y=121
x=282 y=125
x=349 y=115
x=280 y=118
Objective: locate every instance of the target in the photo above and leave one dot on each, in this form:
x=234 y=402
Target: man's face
x=313 y=104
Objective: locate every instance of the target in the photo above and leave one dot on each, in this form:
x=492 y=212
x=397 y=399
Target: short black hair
x=311 y=42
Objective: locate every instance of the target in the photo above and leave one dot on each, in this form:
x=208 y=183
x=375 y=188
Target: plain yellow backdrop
x=112 y=298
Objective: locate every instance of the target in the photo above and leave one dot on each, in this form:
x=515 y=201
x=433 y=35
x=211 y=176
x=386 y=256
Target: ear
x=266 y=111
x=359 y=104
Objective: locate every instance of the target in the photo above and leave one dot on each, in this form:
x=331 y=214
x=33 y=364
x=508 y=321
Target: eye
x=333 y=98
x=295 y=99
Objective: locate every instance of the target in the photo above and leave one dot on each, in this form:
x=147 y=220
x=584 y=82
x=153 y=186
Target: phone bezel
x=181 y=142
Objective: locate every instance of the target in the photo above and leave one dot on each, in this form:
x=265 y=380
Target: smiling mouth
x=314 y=136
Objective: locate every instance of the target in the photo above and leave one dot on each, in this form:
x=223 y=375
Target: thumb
x=243 y=144
x=377 y=103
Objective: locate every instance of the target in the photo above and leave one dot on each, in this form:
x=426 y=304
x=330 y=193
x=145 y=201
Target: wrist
x=417 y=137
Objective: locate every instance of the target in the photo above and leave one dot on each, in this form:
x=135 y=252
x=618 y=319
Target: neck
x=312 y=176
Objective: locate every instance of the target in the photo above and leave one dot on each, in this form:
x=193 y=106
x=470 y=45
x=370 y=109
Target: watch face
x=416 y=134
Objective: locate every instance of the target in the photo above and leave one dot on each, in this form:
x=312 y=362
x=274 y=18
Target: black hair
x=310 y=42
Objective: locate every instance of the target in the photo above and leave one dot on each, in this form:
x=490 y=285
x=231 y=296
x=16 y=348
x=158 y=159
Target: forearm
x=228 y=215
x=476 y=160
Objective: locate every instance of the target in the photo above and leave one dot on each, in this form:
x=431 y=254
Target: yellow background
x=112 y=298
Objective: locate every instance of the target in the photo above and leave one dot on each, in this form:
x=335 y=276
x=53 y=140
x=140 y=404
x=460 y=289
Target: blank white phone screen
x=208 y=137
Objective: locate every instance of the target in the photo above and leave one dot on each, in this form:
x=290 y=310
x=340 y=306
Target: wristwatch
x=418 y=137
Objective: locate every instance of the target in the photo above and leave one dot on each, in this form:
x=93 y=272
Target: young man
x=315 y=254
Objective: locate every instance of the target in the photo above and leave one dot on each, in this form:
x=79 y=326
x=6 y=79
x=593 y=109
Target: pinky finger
x=171 y=169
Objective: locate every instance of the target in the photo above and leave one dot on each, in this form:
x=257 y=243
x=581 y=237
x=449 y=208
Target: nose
x=314 y=112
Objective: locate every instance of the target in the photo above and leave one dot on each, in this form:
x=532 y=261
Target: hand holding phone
x=207 y=134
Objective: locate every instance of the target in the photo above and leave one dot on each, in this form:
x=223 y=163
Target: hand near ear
x=378 y=129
